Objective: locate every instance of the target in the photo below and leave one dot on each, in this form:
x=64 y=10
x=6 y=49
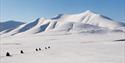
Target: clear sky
x=29 y=10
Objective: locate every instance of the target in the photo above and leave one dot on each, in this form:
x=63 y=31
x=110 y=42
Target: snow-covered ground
x=65 y=48
x=86 y=37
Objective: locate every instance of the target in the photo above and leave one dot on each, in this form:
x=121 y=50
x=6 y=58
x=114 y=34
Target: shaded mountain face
x=83 y=22
x=29 y=26
x=9 y=25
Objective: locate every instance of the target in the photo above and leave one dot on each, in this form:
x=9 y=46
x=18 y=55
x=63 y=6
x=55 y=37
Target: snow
x=76 y=48
x=9 y=25
x=2 y=32
x=41 y=23
x=92 y=18
x=86 y=37
x=83 y=22
x=15 y=31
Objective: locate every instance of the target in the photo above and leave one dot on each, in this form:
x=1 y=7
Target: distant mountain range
x=87 y=21
x=9 y=25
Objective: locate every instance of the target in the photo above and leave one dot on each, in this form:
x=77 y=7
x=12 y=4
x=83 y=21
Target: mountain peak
x=41 y=20
x=89 y=12
x=58 y=16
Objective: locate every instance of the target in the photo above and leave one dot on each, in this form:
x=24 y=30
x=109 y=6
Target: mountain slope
x=40 y=25
x=13 y=32
x=9 y=25
x=91 y=18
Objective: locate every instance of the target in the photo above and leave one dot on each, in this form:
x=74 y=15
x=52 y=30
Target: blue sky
x=29 y=10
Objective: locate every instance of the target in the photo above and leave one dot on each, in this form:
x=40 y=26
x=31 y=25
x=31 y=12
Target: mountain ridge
x=9 y=25
x=85 y=21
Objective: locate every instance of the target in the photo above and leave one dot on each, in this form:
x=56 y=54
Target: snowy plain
x=65 y=48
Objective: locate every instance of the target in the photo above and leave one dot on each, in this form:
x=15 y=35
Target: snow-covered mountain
x=9 y=25
x=83 y=22
x=91 y=18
